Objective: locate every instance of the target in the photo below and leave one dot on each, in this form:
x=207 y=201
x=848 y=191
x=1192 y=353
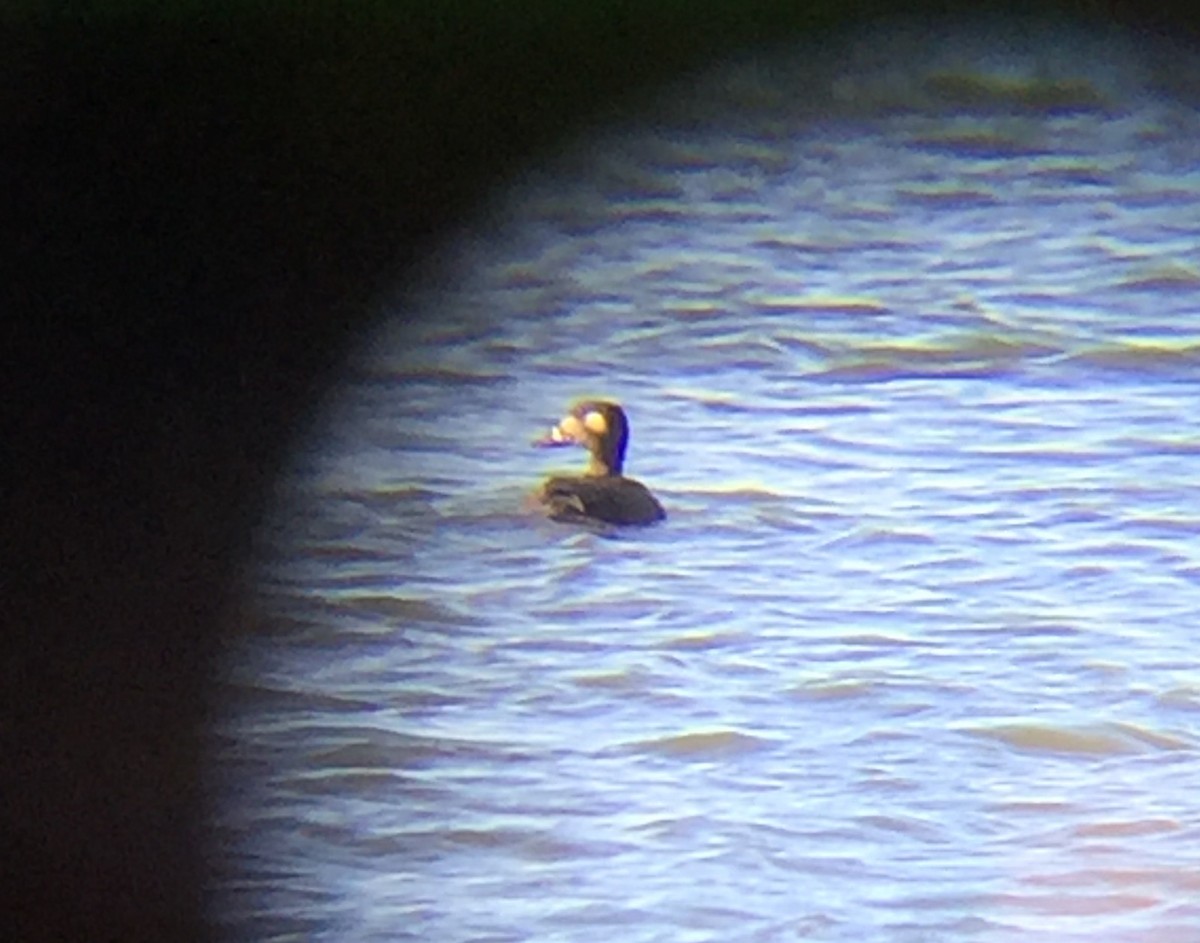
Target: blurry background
x=204 y=205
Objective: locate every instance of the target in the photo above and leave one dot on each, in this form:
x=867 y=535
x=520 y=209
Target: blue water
x=910 y=347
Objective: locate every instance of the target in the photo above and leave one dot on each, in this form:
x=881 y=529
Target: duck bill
x=554 y=438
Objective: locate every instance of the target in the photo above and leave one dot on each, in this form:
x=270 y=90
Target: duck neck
x=598 y=468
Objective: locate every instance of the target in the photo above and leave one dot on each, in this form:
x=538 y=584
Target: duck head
x=601 y=428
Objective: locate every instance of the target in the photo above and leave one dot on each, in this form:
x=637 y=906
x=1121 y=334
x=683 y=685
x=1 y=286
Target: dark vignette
x=200 y=201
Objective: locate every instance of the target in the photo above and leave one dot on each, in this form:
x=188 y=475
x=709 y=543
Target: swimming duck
x=602 y=493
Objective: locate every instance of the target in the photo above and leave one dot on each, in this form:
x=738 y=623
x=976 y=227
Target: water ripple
x=906 y=336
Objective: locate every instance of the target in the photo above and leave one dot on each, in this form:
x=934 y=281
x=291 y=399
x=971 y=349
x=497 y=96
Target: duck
x=603 y=494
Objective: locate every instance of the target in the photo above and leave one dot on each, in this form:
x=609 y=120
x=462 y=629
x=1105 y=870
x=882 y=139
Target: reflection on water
x=910 y=350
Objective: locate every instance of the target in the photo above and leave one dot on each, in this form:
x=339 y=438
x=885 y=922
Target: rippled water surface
x=912 y=357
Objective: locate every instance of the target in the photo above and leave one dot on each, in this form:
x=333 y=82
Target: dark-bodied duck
x=602 y=494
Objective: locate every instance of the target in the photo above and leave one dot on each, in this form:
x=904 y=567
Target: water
x=911 y=353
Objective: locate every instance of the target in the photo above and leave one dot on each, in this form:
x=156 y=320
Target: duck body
x=611 y=500
x=602 y=494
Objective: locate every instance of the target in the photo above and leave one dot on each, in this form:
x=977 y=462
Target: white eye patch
x=595 y=422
